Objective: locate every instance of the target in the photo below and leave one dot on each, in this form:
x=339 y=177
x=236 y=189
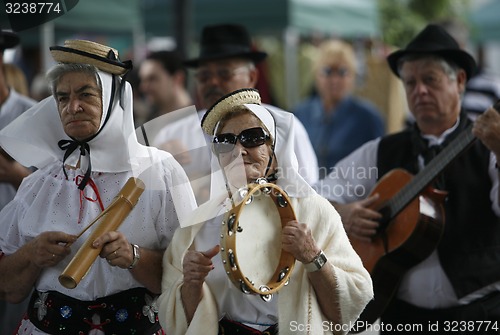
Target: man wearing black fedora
x=12 y=104
x=226 y=63
x=455 y=284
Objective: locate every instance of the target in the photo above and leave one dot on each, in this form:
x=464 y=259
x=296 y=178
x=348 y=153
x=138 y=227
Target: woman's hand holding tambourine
x=298 y=240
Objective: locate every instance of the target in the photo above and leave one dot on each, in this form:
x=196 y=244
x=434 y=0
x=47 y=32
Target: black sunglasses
x=249 y=138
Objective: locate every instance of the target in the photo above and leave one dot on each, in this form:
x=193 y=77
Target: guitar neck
x=422 y=179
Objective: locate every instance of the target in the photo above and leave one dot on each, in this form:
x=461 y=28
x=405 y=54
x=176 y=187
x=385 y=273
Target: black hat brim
x=461 y=58
x=8 y=40
x=255 y=56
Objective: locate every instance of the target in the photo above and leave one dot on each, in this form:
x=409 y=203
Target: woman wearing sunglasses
x=328 y=287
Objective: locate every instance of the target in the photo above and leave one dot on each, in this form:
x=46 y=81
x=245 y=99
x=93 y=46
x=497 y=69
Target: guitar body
x=406 y=240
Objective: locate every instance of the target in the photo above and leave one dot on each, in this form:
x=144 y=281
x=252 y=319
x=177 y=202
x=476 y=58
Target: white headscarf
x=32 y=139
x=280 y=125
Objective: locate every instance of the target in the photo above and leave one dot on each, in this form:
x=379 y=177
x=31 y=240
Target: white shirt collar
x=438 y=140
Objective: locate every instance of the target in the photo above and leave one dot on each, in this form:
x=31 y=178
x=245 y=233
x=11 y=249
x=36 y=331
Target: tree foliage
x=401 y=20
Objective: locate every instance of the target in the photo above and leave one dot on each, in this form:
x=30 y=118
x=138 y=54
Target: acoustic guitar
x=411 y=226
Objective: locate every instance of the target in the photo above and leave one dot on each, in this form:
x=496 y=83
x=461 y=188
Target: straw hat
x=87 y=52
x=226 y=105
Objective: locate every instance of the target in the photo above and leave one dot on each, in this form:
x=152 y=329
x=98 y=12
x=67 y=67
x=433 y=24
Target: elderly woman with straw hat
x=83 y=144
x=328 y=286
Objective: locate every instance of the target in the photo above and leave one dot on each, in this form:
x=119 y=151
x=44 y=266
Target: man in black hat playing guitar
x=429 y=234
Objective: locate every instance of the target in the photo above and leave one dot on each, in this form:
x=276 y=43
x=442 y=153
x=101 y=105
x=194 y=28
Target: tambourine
x=251 y=247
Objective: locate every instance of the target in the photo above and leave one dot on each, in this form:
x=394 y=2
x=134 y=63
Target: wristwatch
x=137 y=256
x=317 y=263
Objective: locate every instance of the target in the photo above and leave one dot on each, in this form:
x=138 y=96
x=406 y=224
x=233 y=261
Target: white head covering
x=32 y=139
x=280 y=125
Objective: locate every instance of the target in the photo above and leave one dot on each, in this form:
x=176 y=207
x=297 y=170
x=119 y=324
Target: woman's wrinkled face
x=247 y=162
x=79 y=102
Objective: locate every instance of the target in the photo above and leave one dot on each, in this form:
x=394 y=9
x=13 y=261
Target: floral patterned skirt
x=132 y=311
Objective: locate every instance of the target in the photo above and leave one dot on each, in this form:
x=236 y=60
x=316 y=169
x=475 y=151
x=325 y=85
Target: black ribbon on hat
x=126 y=64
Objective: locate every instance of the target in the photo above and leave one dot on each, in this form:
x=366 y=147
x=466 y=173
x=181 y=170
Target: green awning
x=345 y=18
x=485 y=23
x=112 y=20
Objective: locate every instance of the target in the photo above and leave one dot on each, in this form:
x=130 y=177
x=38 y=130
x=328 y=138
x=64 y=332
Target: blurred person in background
x=16 y=79
x=39 y=88
x=163 y=83
x=483 y=89
x=12 y=104
x=227 y=62
x=141 y=106
x=336 y=121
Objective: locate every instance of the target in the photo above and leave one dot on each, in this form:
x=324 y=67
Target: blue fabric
x=334 y=136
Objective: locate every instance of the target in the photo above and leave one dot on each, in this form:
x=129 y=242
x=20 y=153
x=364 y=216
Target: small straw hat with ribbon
x=87 y=52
